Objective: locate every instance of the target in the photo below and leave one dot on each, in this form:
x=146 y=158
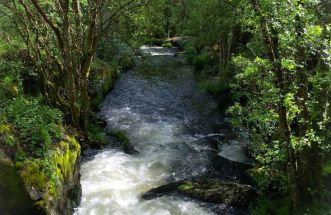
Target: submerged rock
x=209 y=190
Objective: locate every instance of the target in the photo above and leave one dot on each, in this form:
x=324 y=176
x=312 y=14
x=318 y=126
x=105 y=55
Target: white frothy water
x=157 y=51
x=113 y=181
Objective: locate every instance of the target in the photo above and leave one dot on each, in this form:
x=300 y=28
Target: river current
x=161 y=109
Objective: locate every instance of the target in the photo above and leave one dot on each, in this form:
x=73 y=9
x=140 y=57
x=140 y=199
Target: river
x=161 y=109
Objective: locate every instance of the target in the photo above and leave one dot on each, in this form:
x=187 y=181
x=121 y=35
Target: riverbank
x=40 y=151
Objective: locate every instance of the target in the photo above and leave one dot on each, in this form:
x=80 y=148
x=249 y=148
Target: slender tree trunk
x=228 y=54
x=84 y=93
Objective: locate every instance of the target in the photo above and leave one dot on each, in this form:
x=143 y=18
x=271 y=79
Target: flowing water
x=159 y=106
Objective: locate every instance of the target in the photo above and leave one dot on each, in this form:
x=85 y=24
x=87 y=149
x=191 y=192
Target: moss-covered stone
x=52 y=183
x=125 y=142
x=13 y=196
x=35 y=180
x=207 y=190
x=65 y=157
x=185 y=186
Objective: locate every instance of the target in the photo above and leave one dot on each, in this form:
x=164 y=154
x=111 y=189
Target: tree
x=286 y=86
x=61 y=37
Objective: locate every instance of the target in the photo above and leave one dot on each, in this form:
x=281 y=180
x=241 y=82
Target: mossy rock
x=125 y=142
x=13 y=193
x=185 y=186
x=34 y=179
x=65 y=158
x=52 y=183
x=207 y=190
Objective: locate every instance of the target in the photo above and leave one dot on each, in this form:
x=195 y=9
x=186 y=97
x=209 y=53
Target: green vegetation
x=187 y=185
x=271 y=59
x=274 y=59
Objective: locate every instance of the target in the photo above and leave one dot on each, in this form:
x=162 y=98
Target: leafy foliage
x=278 y=98
x=38 y=125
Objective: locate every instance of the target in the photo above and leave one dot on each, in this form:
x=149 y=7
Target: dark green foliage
x=203 y=61
x=120 y=136
x=190 y=51
x=10 y=79
x=265 y=206
x=101 y=81
x=116 y=52
x=281 y=206
x=38 y=125
x=97 y=135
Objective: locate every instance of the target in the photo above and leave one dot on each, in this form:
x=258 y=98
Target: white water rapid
x=161 y=115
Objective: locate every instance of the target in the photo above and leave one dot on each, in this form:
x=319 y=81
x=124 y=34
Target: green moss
x=2 y=154
x=4 y=128
x=5 y=162
x=186 y=186
x=45 y=176
x=65 y=157
x=6 y=136
x=11 y=190
x=120 y=136
x=32 y=174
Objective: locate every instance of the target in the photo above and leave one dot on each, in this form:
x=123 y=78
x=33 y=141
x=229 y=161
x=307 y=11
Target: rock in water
x=209 y=190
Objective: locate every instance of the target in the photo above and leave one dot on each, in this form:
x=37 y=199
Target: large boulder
x=207 y=190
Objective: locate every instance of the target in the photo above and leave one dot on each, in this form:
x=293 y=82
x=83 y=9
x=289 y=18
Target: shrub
x=167 y=45
x=36 y=123
x=215 y=87
x=266 y=206
x=202 y=61
x=190 y=52
x=97 y=135
x=10 y=83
